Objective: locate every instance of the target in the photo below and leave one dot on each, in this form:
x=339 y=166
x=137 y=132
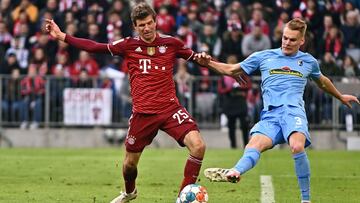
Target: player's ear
x=302 y=41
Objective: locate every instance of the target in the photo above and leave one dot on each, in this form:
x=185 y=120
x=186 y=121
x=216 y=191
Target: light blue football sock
x=248 y=160
x=302 y=168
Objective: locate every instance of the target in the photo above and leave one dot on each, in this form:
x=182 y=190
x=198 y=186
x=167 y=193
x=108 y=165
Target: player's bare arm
x=221 y=68
x=325 y=84
x=233 y=70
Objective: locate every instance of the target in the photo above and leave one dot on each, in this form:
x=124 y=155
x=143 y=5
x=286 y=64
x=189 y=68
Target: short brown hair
x=297 y=24
x=141 y=11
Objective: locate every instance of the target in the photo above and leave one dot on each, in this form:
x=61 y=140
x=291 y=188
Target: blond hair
x=297 y=24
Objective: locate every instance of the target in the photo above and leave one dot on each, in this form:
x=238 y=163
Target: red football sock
x=191 y=171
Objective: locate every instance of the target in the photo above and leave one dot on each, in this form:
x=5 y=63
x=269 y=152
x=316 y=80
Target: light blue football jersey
x=283 y=77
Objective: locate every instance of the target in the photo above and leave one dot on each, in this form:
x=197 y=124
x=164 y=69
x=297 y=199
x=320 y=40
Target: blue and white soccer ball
x=193 y=193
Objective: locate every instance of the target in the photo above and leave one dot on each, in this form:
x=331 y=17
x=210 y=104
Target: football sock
x=248 y=160
x=191 y=171
x=302 y=168
x=129 y=175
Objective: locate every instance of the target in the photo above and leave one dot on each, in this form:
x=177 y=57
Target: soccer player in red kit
x=150 y=58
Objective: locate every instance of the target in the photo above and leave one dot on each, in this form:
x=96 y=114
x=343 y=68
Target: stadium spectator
x=114 y=24
x=29 y=10
x=235 y=105
x=276 y=37
x=22 y=54
x=194 y=23
x=351 y=30
x=85 y=62
x=209 y=41
x=122 y=8
x=350 y=70
x=311 y=14
x=187 y=36
x=126 y=99
x=257 y=21
x=5 y=39
x=11 y=103
x=328 y=65
x=333 y=43
x=22 y=21
x=82 y=80
x=155 y=105
x=52 y=8
x=5 y=11
x=42 y=41
x=282 y=120
x=231 y=40
x=183 y=80
x=255 y=41
x=39 y=62
x=9 y=63
x=181 y=15
x=165 y=22
x=32 y=91
x=57 y=84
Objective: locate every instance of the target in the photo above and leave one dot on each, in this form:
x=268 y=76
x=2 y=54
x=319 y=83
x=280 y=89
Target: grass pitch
x=94 y=176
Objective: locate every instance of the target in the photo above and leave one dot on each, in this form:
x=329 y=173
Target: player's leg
x=142 y=130
x=258 y=143
x=130 y=163
x=302 y=166
x=295 y=130
x=264 y=135
x=130 y=171
x=182 y=127
x=196 y=146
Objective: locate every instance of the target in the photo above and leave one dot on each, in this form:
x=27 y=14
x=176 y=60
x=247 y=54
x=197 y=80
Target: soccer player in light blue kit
x=284 y=73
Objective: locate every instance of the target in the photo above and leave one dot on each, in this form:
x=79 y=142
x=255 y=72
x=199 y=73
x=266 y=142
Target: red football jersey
x=151 y=70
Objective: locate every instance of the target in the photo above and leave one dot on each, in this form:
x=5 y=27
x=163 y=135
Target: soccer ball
x=194 y=193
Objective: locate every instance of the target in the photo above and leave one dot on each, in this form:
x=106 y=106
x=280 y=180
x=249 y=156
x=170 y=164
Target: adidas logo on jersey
x=138 y=49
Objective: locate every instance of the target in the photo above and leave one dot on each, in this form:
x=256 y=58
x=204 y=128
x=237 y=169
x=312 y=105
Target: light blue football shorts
x=280 y=122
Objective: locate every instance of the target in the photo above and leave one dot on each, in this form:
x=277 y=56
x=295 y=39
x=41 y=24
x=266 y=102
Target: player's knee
x=129 y=163
x=198 y=148
x=297 y=148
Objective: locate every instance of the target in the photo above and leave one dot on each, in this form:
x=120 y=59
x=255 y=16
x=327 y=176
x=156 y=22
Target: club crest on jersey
x=300 y=62
x=151 y=51
x=162 y=49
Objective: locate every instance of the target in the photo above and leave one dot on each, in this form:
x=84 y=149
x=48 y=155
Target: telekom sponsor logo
x=145 y=65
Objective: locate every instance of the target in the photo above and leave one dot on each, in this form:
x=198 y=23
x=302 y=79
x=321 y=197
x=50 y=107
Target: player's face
x=146 y=28
x=291 y=41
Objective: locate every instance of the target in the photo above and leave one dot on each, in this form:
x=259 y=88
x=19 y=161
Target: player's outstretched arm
x=325 y=84
x=84 y=44
x=233 y=70
x=222 y=68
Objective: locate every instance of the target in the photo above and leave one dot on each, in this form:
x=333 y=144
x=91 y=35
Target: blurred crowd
x=229 y=30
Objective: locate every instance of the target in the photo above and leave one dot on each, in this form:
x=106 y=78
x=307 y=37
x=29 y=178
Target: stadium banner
x=87 y=106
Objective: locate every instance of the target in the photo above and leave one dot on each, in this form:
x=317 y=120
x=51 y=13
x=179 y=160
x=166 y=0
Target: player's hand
x=347 y=99
x=53 y=29
x=202 y=58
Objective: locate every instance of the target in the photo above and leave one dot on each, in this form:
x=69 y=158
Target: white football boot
x=125 y=197
x=222 y=175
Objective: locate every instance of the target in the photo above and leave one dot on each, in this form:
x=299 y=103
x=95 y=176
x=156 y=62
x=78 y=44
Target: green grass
x=94 y=175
